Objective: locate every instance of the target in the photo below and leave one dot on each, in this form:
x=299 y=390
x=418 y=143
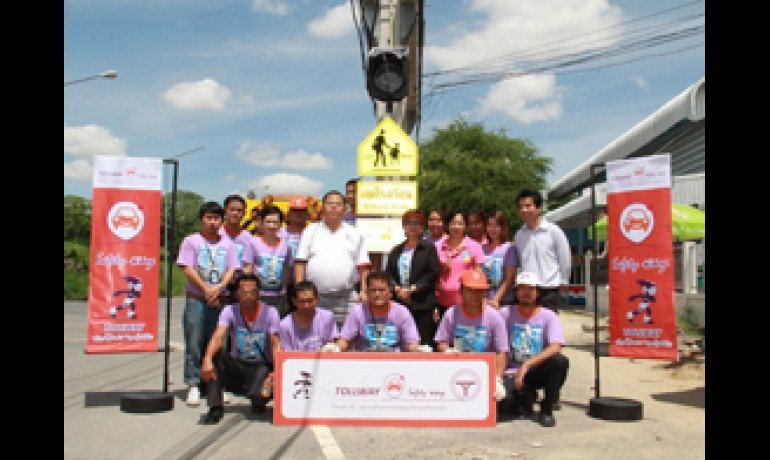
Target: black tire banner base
x=607 y=408
x=148 y=402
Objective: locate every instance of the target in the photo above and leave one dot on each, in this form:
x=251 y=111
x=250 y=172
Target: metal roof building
x=677 y=128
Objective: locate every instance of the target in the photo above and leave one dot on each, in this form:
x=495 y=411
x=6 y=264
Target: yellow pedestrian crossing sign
x=387 y=151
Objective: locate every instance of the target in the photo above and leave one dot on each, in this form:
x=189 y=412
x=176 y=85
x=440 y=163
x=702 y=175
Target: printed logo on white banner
x=125 y=220
x=636 y=222
x=466 y=384
x=394 y=385
x=133 y=173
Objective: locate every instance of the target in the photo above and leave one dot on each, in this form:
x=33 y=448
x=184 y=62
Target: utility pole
x=395 y=27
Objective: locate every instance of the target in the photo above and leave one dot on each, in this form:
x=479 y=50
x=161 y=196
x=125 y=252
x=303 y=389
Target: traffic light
x=387 y=75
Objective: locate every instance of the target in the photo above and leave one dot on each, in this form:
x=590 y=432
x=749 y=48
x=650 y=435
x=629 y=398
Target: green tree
x=187 y=222
x=465 y=166
x=77 y=219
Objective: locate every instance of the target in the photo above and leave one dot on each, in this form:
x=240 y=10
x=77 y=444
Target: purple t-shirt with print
x=391 y=332
x=496 y=261
x=484 y=332
x=530 y=336
x=267 y=323
x=210 y=260
x=272 y=264
x=322 y=329
x=242 y=243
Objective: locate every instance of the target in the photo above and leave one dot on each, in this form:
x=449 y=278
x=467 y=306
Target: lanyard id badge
x=209 y=271
x=380 y=335
x=250 y=344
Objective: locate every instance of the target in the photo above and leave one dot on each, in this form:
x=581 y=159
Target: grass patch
x=689 y=328
x=178 y=281
x=75 y=285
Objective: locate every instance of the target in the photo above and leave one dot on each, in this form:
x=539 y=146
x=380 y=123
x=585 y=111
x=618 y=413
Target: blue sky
x=274 y=92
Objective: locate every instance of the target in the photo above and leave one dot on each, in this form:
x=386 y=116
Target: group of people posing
x=448 y=288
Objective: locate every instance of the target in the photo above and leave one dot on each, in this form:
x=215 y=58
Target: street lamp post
x=109 y=74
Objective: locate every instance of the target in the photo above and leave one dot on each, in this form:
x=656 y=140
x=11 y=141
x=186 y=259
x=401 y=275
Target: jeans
x=198 y=324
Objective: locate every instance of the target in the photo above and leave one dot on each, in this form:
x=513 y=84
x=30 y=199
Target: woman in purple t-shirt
x=500 y=260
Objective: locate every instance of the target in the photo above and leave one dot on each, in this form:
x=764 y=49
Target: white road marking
x=327 y=442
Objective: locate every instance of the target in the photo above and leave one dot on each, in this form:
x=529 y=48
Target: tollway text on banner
x=377 y=198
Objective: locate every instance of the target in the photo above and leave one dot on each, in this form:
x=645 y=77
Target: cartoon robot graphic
x=304 y=385
x=646 y=297
x=133 y=291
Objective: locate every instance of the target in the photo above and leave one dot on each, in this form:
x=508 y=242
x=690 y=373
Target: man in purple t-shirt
x=308 y=328
x=379 y=324
x=473 y=326
x=536 y=361
x=253 y=328
x=209 y=261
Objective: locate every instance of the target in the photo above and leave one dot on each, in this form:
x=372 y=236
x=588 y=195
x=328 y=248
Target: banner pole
x=169 y=266
x=594 y=268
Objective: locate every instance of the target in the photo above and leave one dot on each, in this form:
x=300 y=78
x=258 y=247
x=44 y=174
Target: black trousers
x=549 y=375
x=426 y=327
x=238 y=377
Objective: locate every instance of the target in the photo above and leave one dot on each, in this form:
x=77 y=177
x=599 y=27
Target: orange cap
x=474 y=279
x=298 y=203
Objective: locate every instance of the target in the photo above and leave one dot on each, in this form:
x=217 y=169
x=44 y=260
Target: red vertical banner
x=641 y=261
x=125 y=247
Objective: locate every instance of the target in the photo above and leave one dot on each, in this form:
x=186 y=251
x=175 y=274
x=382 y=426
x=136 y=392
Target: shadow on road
x=695 y=397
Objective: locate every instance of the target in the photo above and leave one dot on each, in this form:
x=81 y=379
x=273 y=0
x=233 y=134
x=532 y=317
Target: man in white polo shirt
x=331 y=254
x=543 y=249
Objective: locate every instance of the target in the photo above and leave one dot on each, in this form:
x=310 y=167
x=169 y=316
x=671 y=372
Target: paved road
x=94 y=427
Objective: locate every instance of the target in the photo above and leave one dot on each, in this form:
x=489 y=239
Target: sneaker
x=546 y=420
x=214 y=416
x=227 y=397
x=193 y=396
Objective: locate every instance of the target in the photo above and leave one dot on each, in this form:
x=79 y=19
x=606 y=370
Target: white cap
x=527 y=278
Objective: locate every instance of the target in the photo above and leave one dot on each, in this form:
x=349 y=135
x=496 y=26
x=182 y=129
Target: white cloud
x=270 y=6
x=90 y=140
x=525 y=99
x=204 y=94
x=229 y=178
x=259 y=154
x=335 y=23
x=282 y=183
x=264 y=154
x=78 y=169
x=305 y=160
x=642 y=84
x=526 y=32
